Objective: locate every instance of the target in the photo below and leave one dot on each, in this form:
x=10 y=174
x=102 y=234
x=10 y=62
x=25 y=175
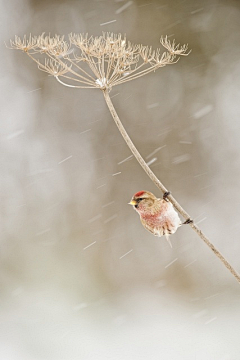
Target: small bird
x=157 y=215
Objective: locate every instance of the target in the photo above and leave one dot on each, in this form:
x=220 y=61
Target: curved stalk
x=160 y=186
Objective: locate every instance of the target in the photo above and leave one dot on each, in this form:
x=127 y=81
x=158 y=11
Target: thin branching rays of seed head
x=96 y=62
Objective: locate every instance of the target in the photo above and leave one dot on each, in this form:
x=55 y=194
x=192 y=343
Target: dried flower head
x=96 y=62
x=24 y=44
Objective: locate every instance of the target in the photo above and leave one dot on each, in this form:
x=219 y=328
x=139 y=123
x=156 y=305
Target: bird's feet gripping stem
x=165 y=195
x=188 y=221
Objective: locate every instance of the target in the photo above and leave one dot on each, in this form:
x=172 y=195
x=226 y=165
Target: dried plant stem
x=158 y=183
x=113 y=61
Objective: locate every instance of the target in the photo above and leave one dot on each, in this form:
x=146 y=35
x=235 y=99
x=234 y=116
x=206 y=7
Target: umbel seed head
x=96 y=62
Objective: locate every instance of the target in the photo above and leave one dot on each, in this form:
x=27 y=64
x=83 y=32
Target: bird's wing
x=147 y=227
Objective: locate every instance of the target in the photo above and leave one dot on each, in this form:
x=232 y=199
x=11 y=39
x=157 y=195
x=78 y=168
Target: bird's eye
x=140 y=199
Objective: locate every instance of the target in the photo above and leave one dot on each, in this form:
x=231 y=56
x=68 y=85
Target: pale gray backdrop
x=80 y=277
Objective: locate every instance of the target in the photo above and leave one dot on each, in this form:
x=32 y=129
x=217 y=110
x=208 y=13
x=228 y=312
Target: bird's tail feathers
x=168 y=239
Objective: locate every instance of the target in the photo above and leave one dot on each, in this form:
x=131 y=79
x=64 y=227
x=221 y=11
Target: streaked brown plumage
x=157 y=215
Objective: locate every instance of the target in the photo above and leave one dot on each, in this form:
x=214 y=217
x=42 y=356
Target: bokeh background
x=80 y=277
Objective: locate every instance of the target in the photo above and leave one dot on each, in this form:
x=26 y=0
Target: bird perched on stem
x=157 y=215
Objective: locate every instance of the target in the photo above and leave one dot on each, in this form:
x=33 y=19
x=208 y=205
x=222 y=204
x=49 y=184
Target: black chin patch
x=136 y=206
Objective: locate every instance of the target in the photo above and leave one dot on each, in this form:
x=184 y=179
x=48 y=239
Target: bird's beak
x=132 y=202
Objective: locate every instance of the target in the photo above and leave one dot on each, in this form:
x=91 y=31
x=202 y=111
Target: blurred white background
x=80 y=277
